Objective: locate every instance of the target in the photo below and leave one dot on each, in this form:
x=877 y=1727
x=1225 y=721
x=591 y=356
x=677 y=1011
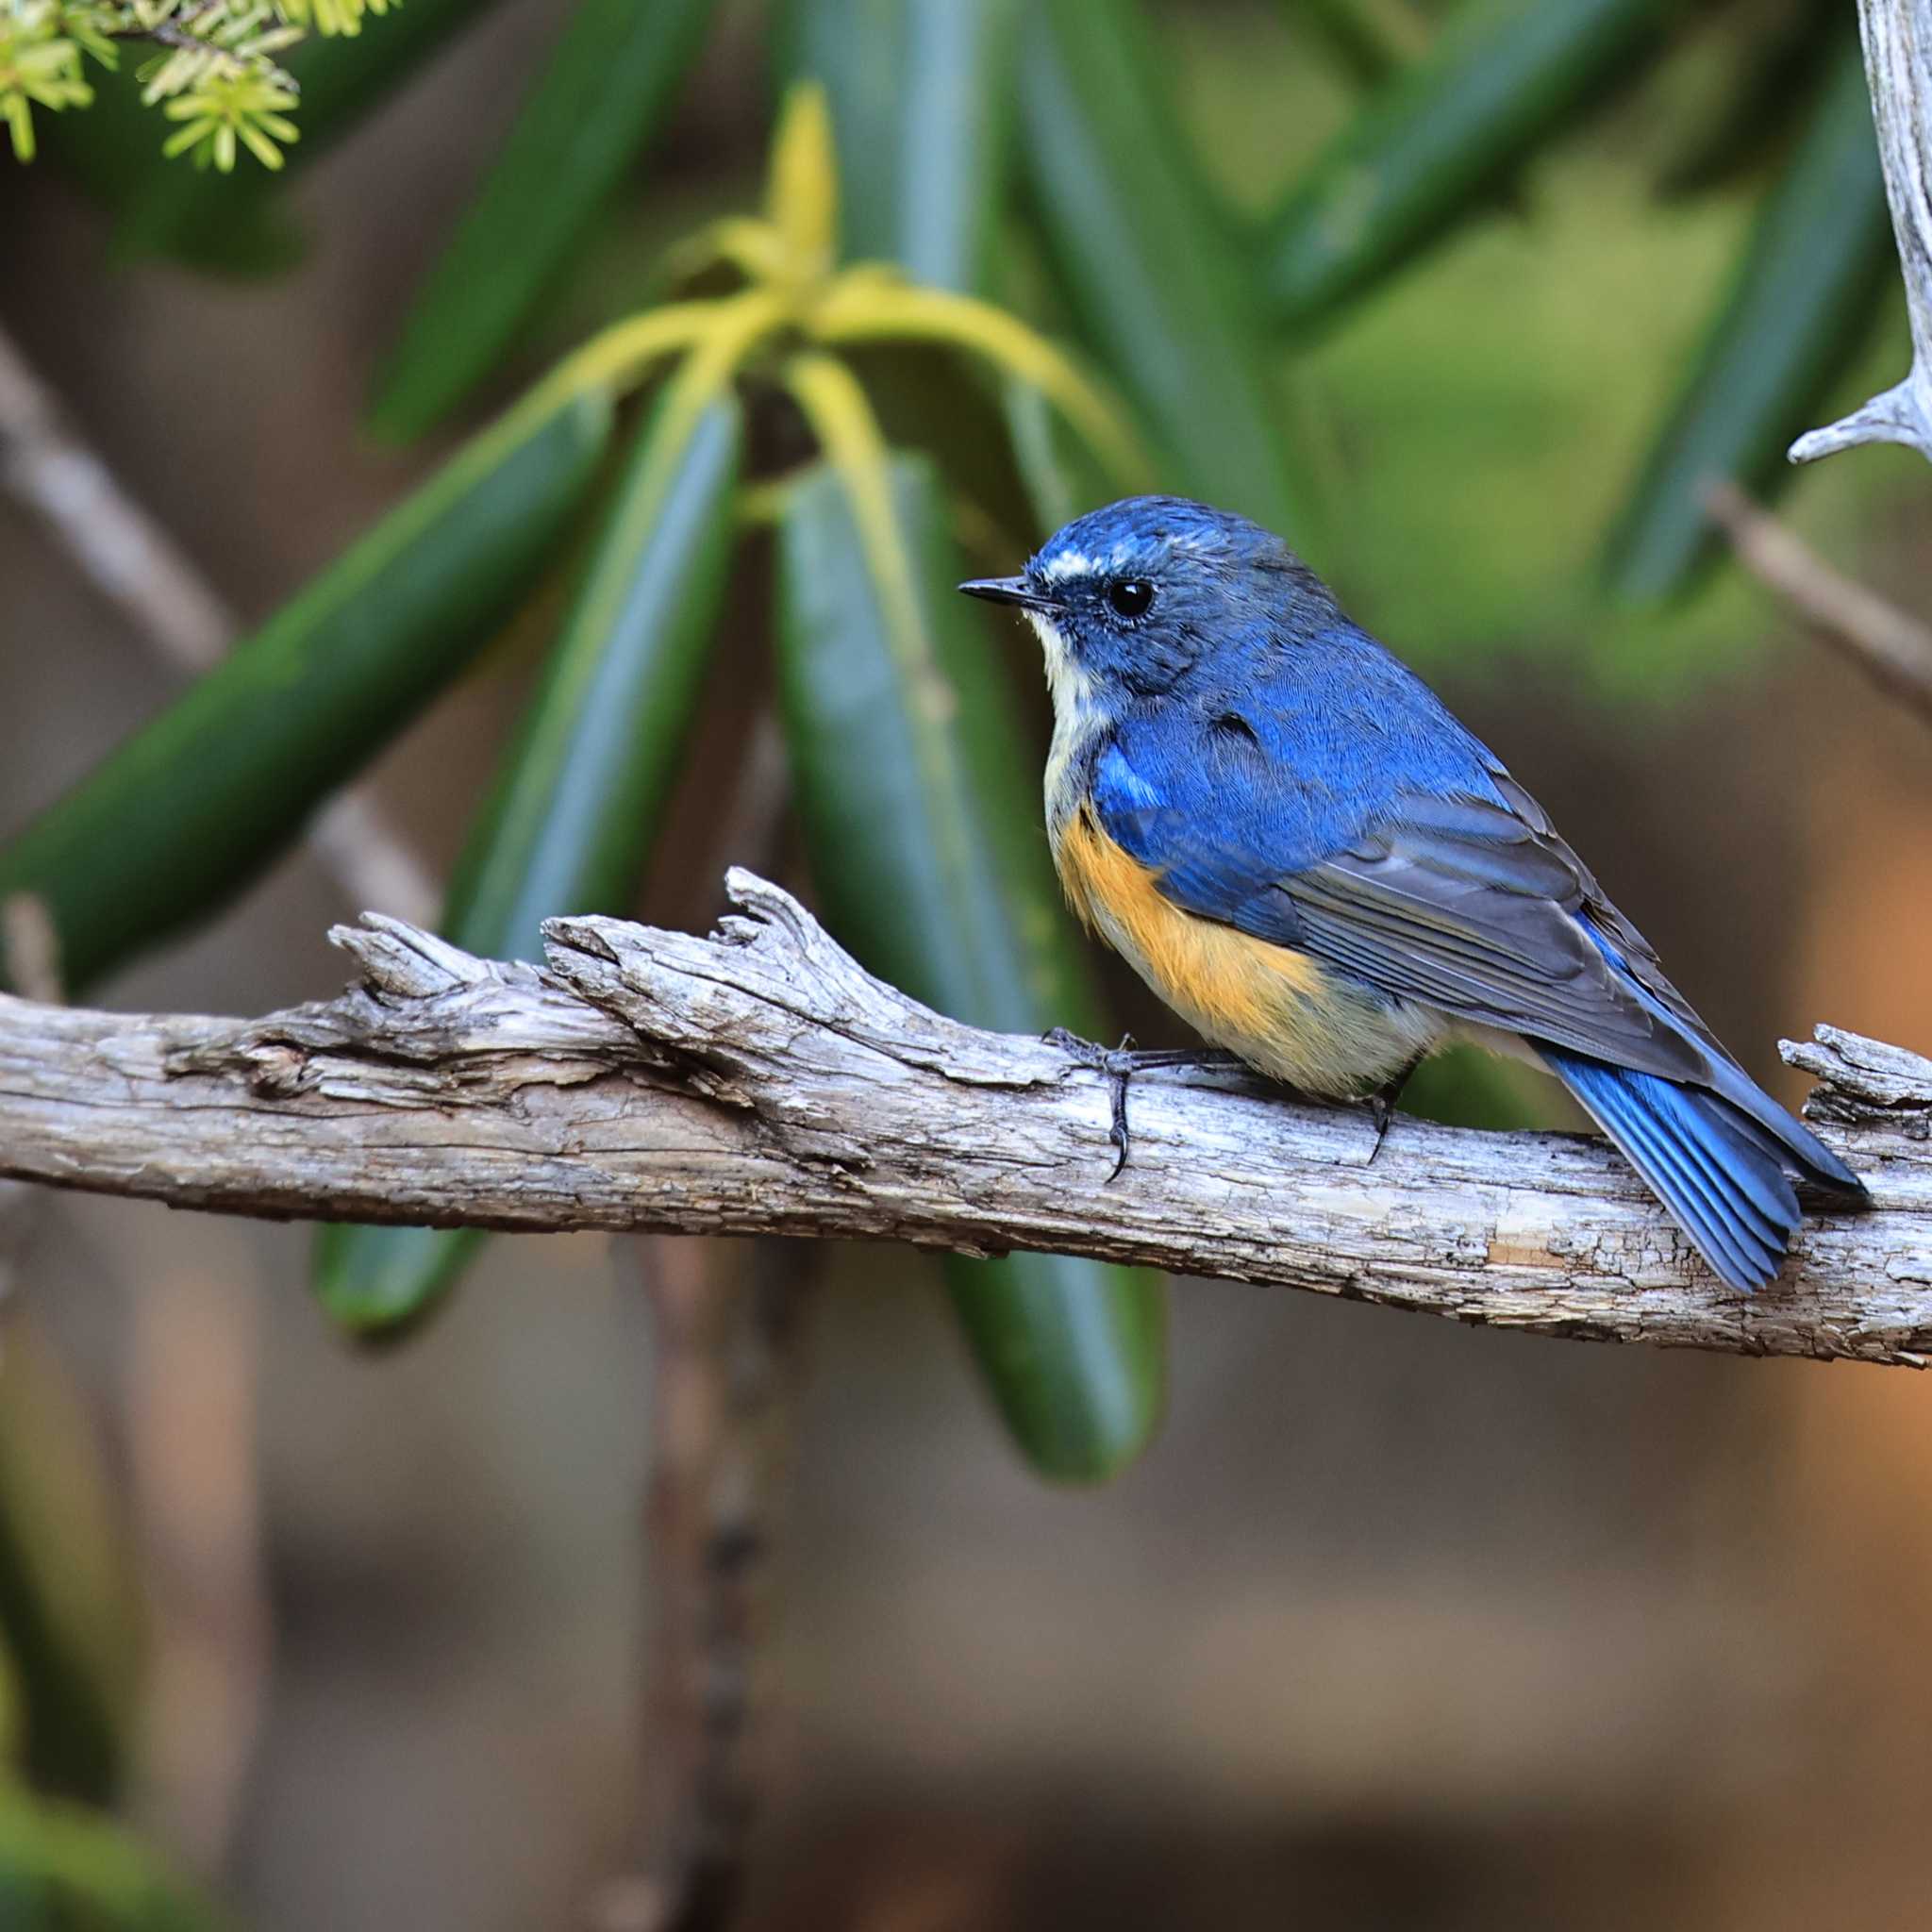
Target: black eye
x=1130 y=596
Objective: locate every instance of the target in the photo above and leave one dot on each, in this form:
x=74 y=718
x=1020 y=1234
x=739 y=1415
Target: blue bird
x=1291 y=838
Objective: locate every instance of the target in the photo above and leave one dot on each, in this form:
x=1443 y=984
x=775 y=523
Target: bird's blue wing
x=1466 y=902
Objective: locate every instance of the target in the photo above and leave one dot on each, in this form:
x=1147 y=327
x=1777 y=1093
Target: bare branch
x=29 y=948
x=1898 y=69
x=47 y=466
x=724 y=1322
x=1891 y=647
x=128 y=557
x=193 y=1394
x=761 y=1082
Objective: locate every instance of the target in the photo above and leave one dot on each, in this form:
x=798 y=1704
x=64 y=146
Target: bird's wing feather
x=1471 y=905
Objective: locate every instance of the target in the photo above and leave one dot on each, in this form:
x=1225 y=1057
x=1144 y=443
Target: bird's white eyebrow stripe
x=1064 y=565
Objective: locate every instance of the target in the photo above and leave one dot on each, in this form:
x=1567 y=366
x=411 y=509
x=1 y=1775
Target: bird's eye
x=1130 y=596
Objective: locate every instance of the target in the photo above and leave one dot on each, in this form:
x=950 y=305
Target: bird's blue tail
x=1722 y=1166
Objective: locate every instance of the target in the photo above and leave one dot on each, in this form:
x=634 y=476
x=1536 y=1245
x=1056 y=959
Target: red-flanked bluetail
x=1292 y=840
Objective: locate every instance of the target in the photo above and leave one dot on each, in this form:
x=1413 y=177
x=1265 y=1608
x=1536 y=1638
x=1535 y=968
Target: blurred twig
x=46 y=465
x=1898 y=68
x=761 y=1082
x=723 y=1320
x=29 y=948
x=1891 y=647
x=121 y=550
x=194 y=1378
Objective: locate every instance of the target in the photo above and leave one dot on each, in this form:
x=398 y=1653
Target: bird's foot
x=1119 y=1064
x=1116 y=1065
x=1381 y=1111
x=1382 y=1105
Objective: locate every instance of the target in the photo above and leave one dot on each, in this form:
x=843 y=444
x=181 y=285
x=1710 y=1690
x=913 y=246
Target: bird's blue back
x=1293 y=749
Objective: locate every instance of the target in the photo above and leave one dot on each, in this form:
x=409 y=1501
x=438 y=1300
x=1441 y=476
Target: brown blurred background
x=1397 y=1625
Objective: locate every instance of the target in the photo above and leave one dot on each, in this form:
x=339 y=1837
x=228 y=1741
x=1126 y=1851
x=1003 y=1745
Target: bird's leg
x=1119 y=1064
x=1382 y=1104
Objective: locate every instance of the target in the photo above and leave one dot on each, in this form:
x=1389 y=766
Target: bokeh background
x=1395 y=1624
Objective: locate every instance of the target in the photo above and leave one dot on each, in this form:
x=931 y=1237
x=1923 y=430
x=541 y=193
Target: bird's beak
x=1009 y=590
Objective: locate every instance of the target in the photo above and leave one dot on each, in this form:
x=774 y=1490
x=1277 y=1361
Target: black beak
x=1009 y=590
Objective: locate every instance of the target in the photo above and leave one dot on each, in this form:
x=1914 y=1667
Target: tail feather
x=1752 y=1112
x=1725 y=1171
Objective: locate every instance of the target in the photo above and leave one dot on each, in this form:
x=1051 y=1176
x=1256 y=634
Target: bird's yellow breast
x=1276 y=1007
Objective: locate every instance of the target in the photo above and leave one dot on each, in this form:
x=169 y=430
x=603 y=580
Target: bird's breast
x=1281 y=1011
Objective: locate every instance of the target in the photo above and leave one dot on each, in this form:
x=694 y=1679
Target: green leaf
x=589 y=113
x=921 y=93
x=1061 y=476
x=956 y=123
x=1438 y=139
x=1150 y=273
x=64 y=1869
x=70 y=1741
x=201 y=799
x=67 y=1609
x=581 y=792
x=855 y=51
x=114 y=151
x=922 y=815
x=70 y=1615
x=922 y=404
x=882 y=309
x=1818 y=254
x=1778 y=55
x=1369 y=40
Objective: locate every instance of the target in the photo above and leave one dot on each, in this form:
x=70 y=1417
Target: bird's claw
x=1381 y=1104
x=1117 y=1065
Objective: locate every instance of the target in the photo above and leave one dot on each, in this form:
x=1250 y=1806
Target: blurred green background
x=1388 y=1622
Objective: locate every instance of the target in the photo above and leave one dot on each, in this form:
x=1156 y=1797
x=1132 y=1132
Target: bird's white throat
x=1077 y=715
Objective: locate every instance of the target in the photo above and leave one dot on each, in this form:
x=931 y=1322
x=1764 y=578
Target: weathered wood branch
x=1898 y=69
x=758 y=1081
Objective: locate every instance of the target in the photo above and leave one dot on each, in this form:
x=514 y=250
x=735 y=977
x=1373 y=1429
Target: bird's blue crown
x=1147 y=534
x=1143 y=590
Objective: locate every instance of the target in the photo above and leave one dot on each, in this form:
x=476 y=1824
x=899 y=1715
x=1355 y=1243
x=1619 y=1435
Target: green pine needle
x=216 y=70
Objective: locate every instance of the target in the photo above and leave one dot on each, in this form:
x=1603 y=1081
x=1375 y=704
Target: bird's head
x=1131 y=600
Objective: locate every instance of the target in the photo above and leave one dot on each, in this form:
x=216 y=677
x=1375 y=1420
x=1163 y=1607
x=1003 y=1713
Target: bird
x=1307 y=856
